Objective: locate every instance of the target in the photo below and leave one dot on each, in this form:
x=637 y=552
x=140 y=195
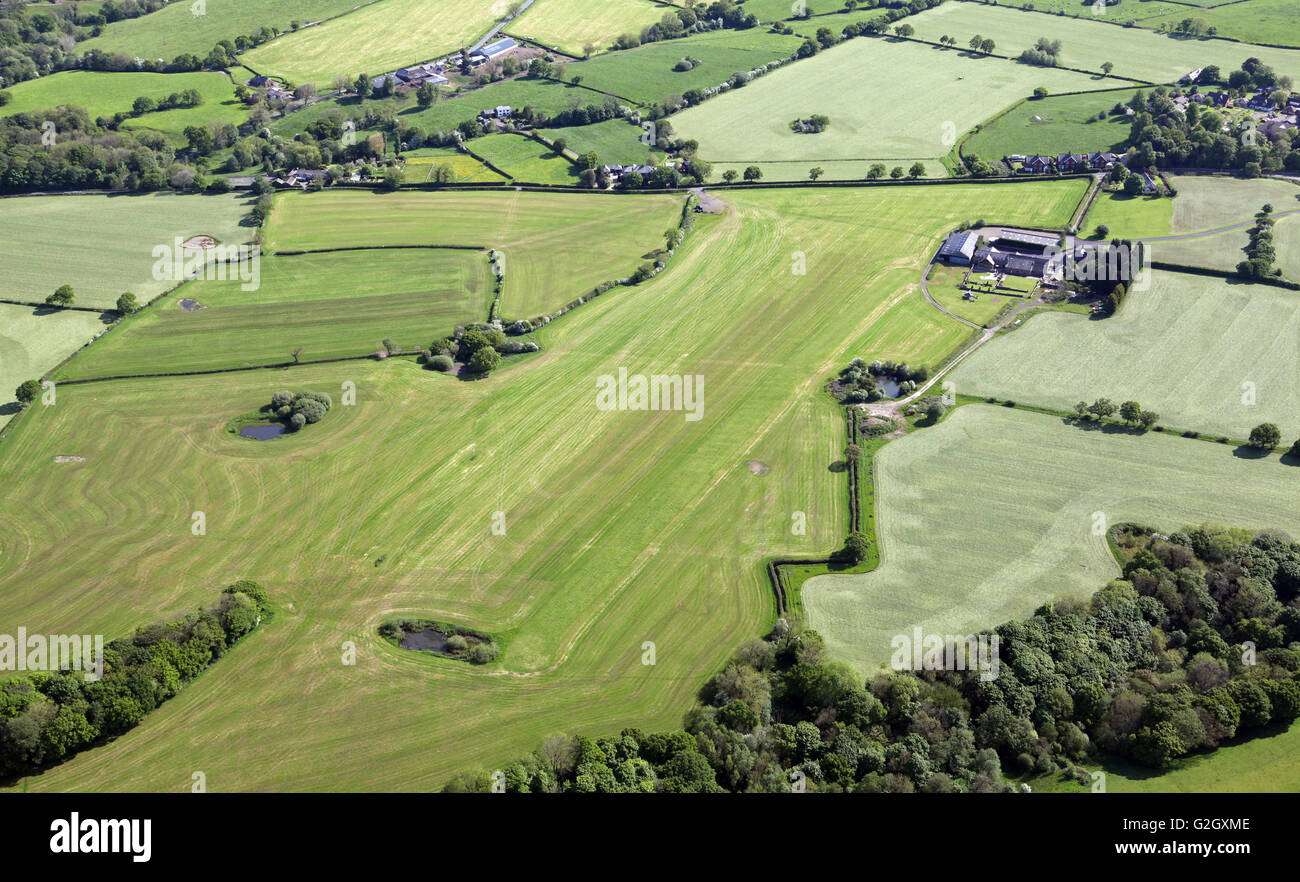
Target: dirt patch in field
x=69 y=459
x=708 y=203
x=758 y=468
x=199 y=242
x=191 y=305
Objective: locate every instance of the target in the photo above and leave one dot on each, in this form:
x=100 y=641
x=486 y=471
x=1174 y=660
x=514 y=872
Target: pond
x=191 y=305
x=262 y=432
x=888 y=385
x=429 y=639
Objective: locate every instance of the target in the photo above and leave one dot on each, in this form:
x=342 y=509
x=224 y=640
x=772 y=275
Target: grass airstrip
x=621 y=527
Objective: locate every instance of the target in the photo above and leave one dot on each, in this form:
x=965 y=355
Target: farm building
x=492 y=50
x=959 y=248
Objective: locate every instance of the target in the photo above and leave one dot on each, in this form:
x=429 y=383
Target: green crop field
x=32 y=341
x=573 y=25
x=525 y=160
x=1137 y=53
x=421 y=164
x=331 y=305
x=646 y=74
x=556 y=246
x=1185 y=349
x=1058 y=124
x=614 y=141
x=376 y=38
x=1257 y=21
x=175 y=29
x=103 y=245
x=622 y=527
x=991 y=513
x=104 y=94
x=1128 y=10
x=751 y=124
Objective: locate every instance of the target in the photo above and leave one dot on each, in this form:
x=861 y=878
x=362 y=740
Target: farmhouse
x=1039 y=165
x=1068 y=162
x=959 y=248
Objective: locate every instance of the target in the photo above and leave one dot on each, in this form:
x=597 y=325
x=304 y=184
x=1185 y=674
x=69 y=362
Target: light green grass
x=646 y=74
x=103 y=245
x=1258 y=21
x=34 y=341
x=572 y=25
x=752 y=123
x=104 y=94
x=945 y=287
x=832 y=169
x=175 y=29
x=615 y=142
x=375 y=39
x=556 y=246
x=1184 y=349
x=1129 y=217
x=525 y=160
x=1061 y=124
x=990 y=513
x=421 y=164
x=622 y=527
x=331 y=305
x=1085 y=44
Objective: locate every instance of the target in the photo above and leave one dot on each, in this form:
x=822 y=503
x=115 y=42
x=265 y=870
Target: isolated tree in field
x=296 y=353
x=896 y=172
x=815 y=173
x=876 y=171
x=1129 y=411
x=916 y=171
x=127 y=304
x=1107 y=67
x=730 y=175
x=1265 y=436
x=753 y=173
x=855 y=547
x=424 y=95
x=1102 y=231
x=27 y=392
x=62 y=296
x=987 y=46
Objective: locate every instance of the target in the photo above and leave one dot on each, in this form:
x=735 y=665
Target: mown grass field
x=104 y=94
x=555 y=246
x=751 y=124
x=1258 y=21
x=421 y=164
x=1209 y=202
x=1130 y=217
x=32 y=341
x=103 y=245
x=573 y=25
x=646 y=74
x=615 y=141
x=1183 y=349
x=622 y=527
x=525 y=160
x=1085 y=44
x=990 y=513
x=945 y=287
x=1058 y=124
x=332 y=305
x=175 y=29
x=375 y=39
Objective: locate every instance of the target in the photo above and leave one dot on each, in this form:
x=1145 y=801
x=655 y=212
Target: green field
x=991 y=513
x=646 y=74
x=614 y=141
x=331 y=305
x=572 y=25
x=556 y=246
x=1257 y=21
x=525 y=160
x=175 y=29
x=32 y=341
x=945 y=287
x=1183 y=349
x=1130 y=217
x=1136 y=53
x=376 y=38
x=104 y=94
x=1059 y=124
x=103 y=245
x=622 y=527
x=420 y=166
x=751 y=124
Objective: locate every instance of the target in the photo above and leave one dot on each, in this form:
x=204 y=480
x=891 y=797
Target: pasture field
x=990 y=513
x=646 y=74
x=375 y=39
x=556 y=246
x=104 y=94
x=615 y=141
x=833 y=169
x=1056 y=124
x=175 y=29
x=773 y=10
x=1183 y=349
x=1129 y=10
x=1257 y=21
x=622 y=526
x=336 y=304
x=751 y=124
x=103 y=245
x=1130 y=217
x=525 y=160
x=945 y=287
x=572 y=26
x=1135 y=52
x=32 y=341
x=420 y=165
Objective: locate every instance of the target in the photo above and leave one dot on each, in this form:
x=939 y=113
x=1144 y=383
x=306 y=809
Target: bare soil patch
x=758 y=468
x=199 y=242
x=69 y=459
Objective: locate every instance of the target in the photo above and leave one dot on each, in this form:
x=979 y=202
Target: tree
x=1102 y=231
x=753 y=173
x=730 y=175
x=1129 y=411
x=876 y=171
x=916 y=171
x=975 y=42
x=815 y=173
x=1101 y=408
x=856 y=547
x=425 y=95
x=1148 y=418
x=1081 y=410
x=896 y=172
x=484 y=361
x=904 y=30
x=935 y=411
x=1265 y=436
x=1133 y=185
x=27 y=392
x=1295 y=448
x=63 y=296
x=853 y=453
x=127 y=304
x=1107 y=67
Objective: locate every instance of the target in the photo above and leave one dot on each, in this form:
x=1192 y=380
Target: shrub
x=441 y=363
x=485 y=360
x=457 y=643
x=483 y=653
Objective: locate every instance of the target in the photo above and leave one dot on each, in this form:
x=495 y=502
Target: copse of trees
x=1130 y=412
x=298 y=409
x=1260 y=253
